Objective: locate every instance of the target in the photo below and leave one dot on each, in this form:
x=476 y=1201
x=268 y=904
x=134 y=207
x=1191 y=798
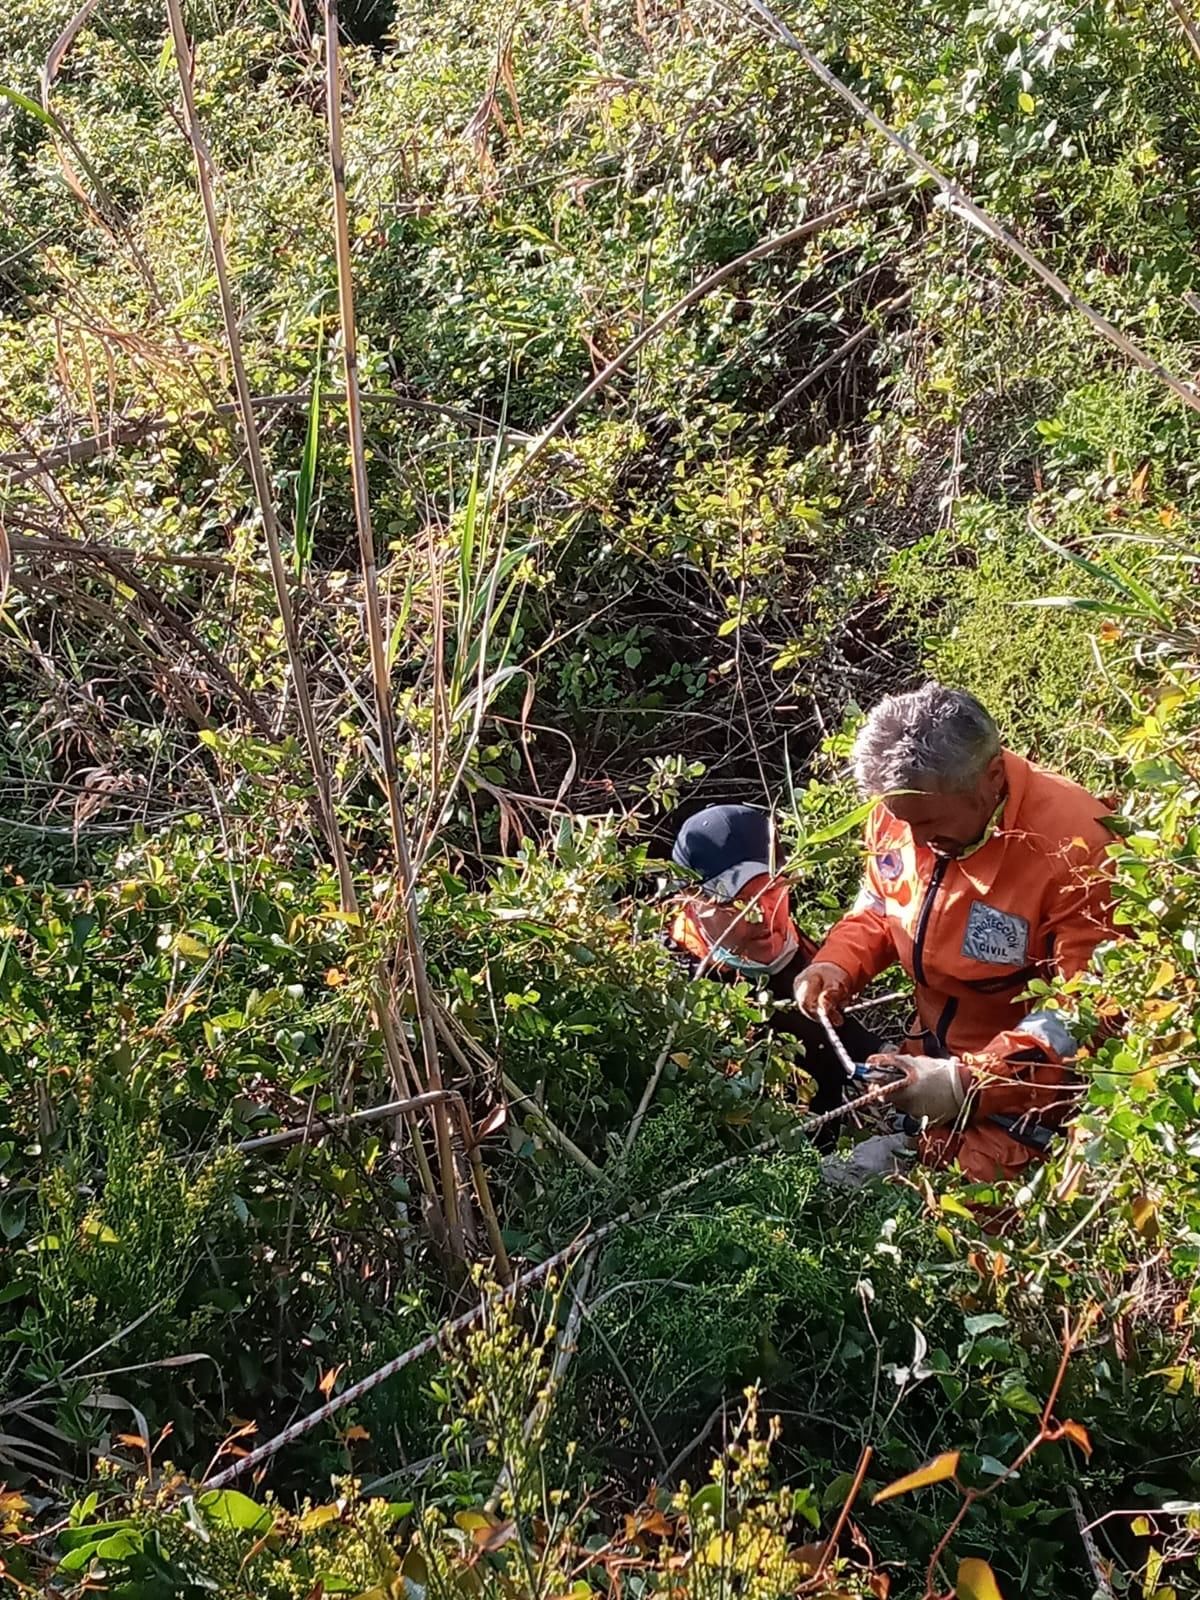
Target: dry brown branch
x=305 y=1425
x=27 y=465
x=319 y=767
x=75 y=549
x=258 y=470
x=181 y=627
x=385 y=717
x=847 y=347
x=1188 y=23
x=962 y=205
x=102 y=207
x=604 y=377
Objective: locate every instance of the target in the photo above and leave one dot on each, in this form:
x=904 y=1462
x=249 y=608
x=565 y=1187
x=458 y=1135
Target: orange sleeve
x=1026 y=1068
x=861 y=943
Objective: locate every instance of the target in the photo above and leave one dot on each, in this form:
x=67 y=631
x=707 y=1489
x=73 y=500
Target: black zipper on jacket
x=935 y=883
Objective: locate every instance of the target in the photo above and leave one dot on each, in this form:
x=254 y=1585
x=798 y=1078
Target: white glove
x=932 y=1088
x=877 y=1157
x=822 y=986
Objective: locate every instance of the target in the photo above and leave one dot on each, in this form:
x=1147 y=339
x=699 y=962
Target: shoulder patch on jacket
x=890 y=864
x=1001 y=938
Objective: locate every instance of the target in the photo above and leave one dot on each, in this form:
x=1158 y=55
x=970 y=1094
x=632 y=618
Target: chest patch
x=1000 y=938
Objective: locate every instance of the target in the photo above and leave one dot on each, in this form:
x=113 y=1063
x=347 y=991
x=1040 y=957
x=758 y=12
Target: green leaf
x=836 y=829
x=804 y=1504
x=12 y=1217
x=707 y=1504
x=120 y=1545
x=30 y=107
x=1017 y=1397
x=91 y=1534
x=78 y=1559
x=229 y=1508
x=985 y=1322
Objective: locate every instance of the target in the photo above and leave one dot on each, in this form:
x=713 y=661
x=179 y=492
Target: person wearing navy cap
x=734 y=922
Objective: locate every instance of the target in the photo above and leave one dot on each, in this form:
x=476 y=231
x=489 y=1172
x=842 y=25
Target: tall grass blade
x=1112 y=576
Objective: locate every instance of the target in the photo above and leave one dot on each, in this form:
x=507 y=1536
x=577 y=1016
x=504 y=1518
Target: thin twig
x=320 y=769
x=648 y=1095
x=561 y=1258
x=765 y=247
x=847 y=347
x=1188 y=23
x=844 y=1515
x=962 y=205
x=30 y=464
x=552 y=1133
x=1100 y=1578
x=258 y=469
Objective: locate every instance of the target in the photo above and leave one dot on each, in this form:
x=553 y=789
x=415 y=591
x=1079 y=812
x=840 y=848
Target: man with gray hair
x=982 y=872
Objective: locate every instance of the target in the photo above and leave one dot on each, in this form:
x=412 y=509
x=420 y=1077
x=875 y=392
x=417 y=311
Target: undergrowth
x=874 y=453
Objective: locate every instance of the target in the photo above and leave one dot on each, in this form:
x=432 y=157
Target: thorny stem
x=562 y=1258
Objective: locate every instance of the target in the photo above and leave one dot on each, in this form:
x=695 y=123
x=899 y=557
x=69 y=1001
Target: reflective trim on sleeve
x=1050 y=1028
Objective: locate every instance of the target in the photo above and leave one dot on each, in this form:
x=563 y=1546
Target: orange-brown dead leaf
x=976 y=1581
x=328 y=1379
x=489 y=1540
x=809 y=1557
x=647 y=1521
x=1077 y=1434
x=935 y=1471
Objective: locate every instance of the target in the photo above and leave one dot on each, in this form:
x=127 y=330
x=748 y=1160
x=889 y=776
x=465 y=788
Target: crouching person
x=737 y=923
x=982 y=872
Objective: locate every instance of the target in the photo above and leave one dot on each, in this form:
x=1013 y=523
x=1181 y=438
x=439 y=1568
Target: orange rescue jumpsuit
x=1031 y=900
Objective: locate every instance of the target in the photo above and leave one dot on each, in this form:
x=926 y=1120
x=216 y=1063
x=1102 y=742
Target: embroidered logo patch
x=998 y=937
x=891 y=865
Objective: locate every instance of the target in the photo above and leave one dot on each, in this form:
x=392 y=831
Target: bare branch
x=962 y=205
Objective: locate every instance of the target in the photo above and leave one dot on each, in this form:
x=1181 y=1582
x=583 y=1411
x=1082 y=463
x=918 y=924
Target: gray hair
x=933 y=739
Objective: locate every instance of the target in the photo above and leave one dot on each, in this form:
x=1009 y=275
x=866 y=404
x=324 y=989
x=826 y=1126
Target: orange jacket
x=1032 y=900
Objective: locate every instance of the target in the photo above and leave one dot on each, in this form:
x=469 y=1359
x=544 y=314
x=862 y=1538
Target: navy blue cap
x=720 y=839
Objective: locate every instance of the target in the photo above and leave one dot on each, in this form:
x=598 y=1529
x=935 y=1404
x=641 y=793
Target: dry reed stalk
x=279 y=579
x=414 y=944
